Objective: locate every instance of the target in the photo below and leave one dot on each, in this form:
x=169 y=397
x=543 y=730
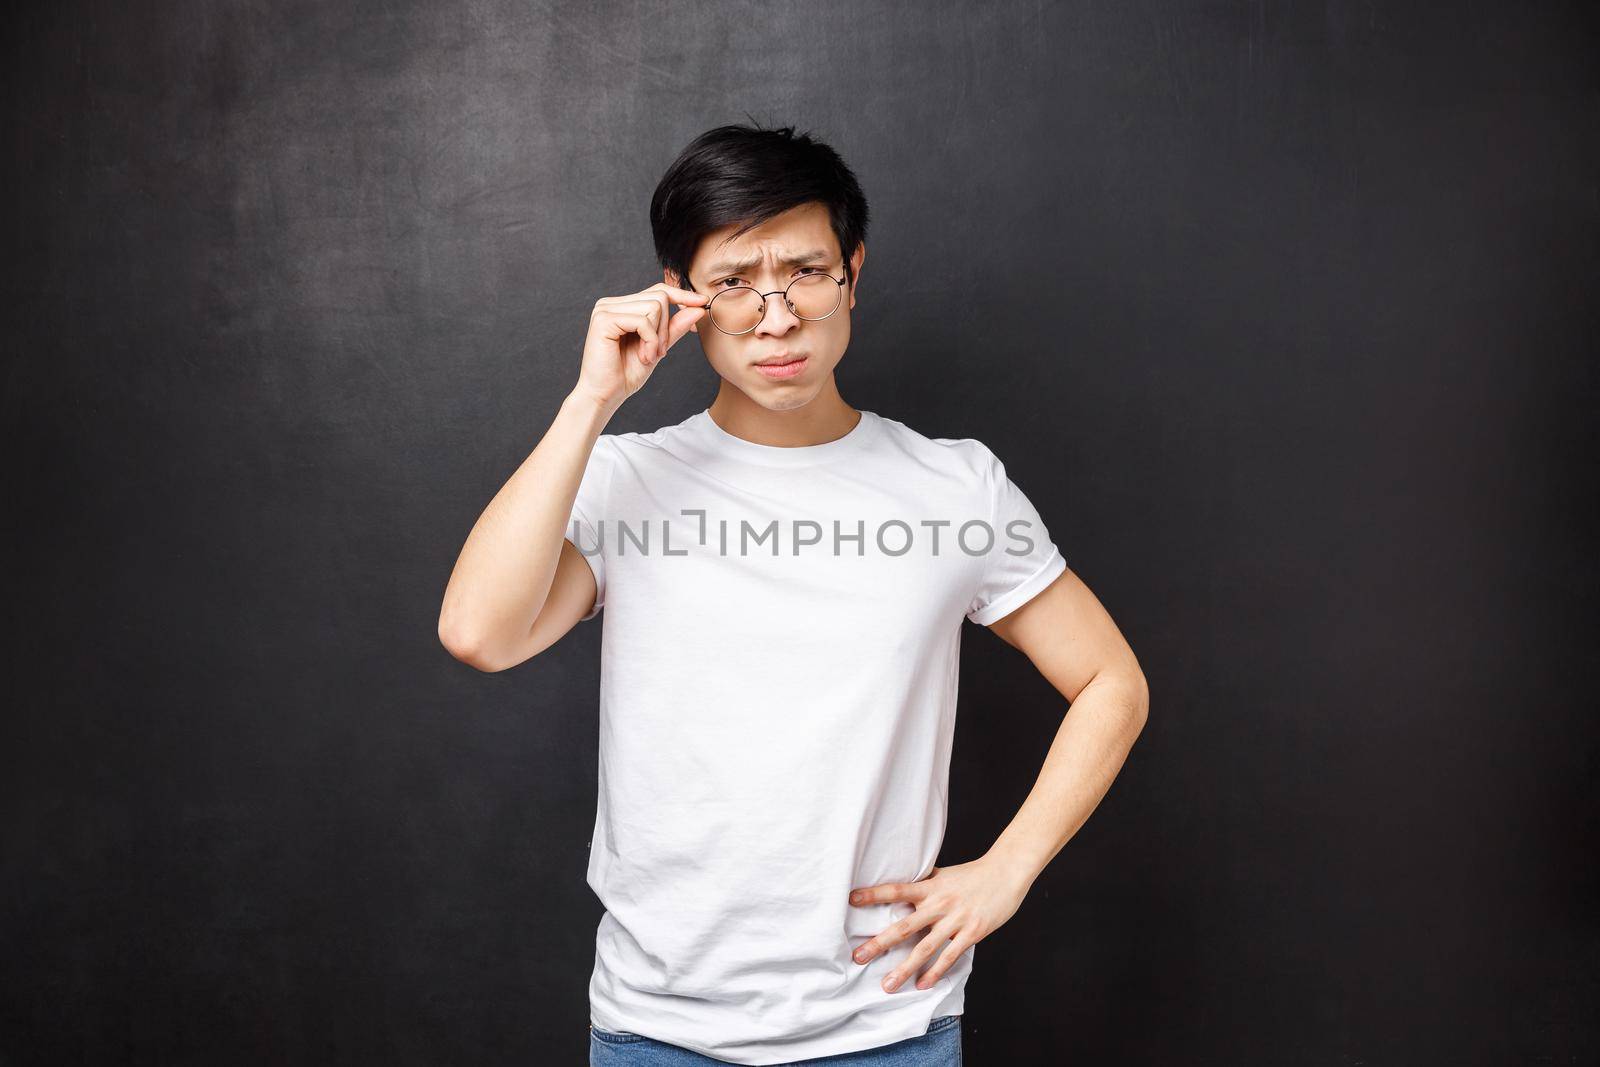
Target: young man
x=784 y=579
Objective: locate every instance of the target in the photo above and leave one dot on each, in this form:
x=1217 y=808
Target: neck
x=825 y=417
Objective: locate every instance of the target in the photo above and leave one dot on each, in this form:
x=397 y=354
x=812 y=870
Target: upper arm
x=1068 y=634
x=577 y=592
x=1034 y=601
x=572 y=596
x=571 y=599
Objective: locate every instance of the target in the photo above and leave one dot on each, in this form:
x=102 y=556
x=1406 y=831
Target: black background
x=1282 y=314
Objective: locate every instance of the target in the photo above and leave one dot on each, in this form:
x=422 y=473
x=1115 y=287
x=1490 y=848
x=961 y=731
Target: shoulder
x=624 y=449
x=965 y=458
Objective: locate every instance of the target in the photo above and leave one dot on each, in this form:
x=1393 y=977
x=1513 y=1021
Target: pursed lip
x=781 y=357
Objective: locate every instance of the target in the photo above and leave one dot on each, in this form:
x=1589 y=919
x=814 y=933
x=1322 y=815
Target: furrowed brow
x=798 y=259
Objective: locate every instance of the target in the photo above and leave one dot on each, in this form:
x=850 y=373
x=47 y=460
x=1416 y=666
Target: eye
x=741 y=282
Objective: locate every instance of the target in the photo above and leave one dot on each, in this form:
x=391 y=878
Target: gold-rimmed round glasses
x=739 y=309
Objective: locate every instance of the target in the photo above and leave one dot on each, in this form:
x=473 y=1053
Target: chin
x=790 y=400
x=787 y=398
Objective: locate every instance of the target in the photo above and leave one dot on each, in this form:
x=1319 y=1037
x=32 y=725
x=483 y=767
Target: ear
x=855 y=271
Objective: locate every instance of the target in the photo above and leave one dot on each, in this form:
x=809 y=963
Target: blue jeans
x=939 y=1047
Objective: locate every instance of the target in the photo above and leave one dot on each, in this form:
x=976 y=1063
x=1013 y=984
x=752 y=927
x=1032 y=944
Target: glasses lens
x=814 y=296
x=736 y=310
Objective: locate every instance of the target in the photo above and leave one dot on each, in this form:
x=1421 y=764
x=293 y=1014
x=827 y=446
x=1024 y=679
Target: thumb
x=681 y=322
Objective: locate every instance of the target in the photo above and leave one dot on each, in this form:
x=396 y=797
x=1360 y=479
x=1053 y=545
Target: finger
x=681 y=322
x=877 y=895
x=635 y=304
x=663 y=321
x=681 y=296
x=654 y=310
x=959 y=944
x=618 y=325
x=893 y=935
x=938 y=936
x=656 y=299
x=676 y=325
x=880 y=894
x=661 y=291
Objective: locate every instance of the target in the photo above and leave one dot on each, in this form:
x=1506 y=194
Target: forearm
x=508 y=563
x=1085 y=757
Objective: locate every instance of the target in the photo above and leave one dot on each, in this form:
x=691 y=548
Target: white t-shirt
x=779 y=658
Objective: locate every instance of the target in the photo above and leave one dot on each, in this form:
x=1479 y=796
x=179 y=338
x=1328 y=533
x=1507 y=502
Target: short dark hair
x=748 y=174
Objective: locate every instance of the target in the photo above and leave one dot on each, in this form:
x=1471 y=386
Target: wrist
x=590 y=406
x=1018 y=863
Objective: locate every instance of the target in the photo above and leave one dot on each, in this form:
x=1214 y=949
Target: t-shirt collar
x=722 y=442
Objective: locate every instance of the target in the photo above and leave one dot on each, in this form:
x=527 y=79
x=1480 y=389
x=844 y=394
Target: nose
x=777 y=323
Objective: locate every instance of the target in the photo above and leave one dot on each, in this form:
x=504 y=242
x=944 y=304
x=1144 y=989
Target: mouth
x=781 y=366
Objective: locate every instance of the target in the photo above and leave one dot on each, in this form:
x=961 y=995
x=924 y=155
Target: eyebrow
x=798 y=259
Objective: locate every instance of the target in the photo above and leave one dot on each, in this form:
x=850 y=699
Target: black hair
x=748 y=174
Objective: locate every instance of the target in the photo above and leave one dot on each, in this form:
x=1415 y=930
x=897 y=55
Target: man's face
x=760 y=255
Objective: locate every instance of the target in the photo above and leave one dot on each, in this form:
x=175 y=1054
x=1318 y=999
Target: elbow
x=1138 y=700
x=471 y=647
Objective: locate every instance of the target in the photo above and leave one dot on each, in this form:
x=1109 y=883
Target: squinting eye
x=736 y=278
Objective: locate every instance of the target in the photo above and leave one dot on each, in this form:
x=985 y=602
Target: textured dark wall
x=1283 y=314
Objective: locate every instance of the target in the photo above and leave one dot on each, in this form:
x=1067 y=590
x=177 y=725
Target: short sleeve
x=586 y=526
x=1023 y=558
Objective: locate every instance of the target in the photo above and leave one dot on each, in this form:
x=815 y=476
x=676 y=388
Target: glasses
x=810 y=297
